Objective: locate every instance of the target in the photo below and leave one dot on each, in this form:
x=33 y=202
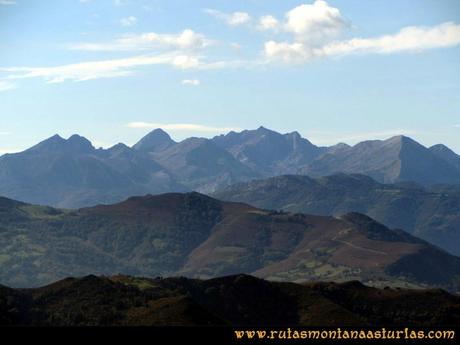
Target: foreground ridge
x=231 y=300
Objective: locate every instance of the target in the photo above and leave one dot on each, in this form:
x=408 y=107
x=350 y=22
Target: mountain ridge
x=72 y=173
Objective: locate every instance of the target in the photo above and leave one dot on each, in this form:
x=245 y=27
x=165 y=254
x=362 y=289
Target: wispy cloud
x=413 y=38
x=128 y=21
x=6 y=86
x=7 y=2
x=180 y=127
x=457 y=126
x=100 y=69
x=4 y=133
x=185 y=40
x=409 y=39
x=232 y=19
x=192 y=82
x=268 y=22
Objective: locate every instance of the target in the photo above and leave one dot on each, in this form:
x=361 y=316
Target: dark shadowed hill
x=430 y=213
x=238 y=300
x=198 y=236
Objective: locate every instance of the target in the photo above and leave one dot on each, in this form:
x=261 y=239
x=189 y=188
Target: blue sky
x=336 y=71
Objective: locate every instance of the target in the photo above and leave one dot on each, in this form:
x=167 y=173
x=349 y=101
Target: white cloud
x=192 y=82
x=186 y=40
x=268 y=22
x=412 y=38
x=315 y=23
x=232 y=19
x=84 y=1
x=288 y=52
x=128 y=21
x=7 y=2
x=180 y=127
x=5 y=133
x=5 y=86
x=457 y=126
x=409 y=39
x=100 y=69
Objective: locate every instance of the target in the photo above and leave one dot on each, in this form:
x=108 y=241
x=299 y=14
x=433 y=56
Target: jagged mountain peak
x=403 y=140
x=443 y=149
x=156 y=140
x=56 y=143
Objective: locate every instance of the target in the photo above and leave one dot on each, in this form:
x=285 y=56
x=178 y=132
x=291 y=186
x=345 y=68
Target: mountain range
x=431 y=213
x=238 y=300
x=195 y=235
x=72 y=173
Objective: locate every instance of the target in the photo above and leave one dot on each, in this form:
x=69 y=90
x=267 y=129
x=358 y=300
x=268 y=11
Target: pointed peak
x=55 y=138
x=441 y=148
x=403 y=140
x=78 y=144
x=119 y=146
x=52 y=140
x=159 y=131
x=56 y=143
x=264 y=130
x=156 y=140
x=79 y=141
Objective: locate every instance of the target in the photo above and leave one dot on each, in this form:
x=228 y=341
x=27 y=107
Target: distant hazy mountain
x=72 y=173
x=397 y=159
x=201 y=165
x=195 y=235
x=267 y=152
x=157 y=140
x=237 y=300
x=446 y=154
x=432 y=214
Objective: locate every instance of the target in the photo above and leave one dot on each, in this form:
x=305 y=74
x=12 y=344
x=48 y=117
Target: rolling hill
x=198 y=236
x=429 y=213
